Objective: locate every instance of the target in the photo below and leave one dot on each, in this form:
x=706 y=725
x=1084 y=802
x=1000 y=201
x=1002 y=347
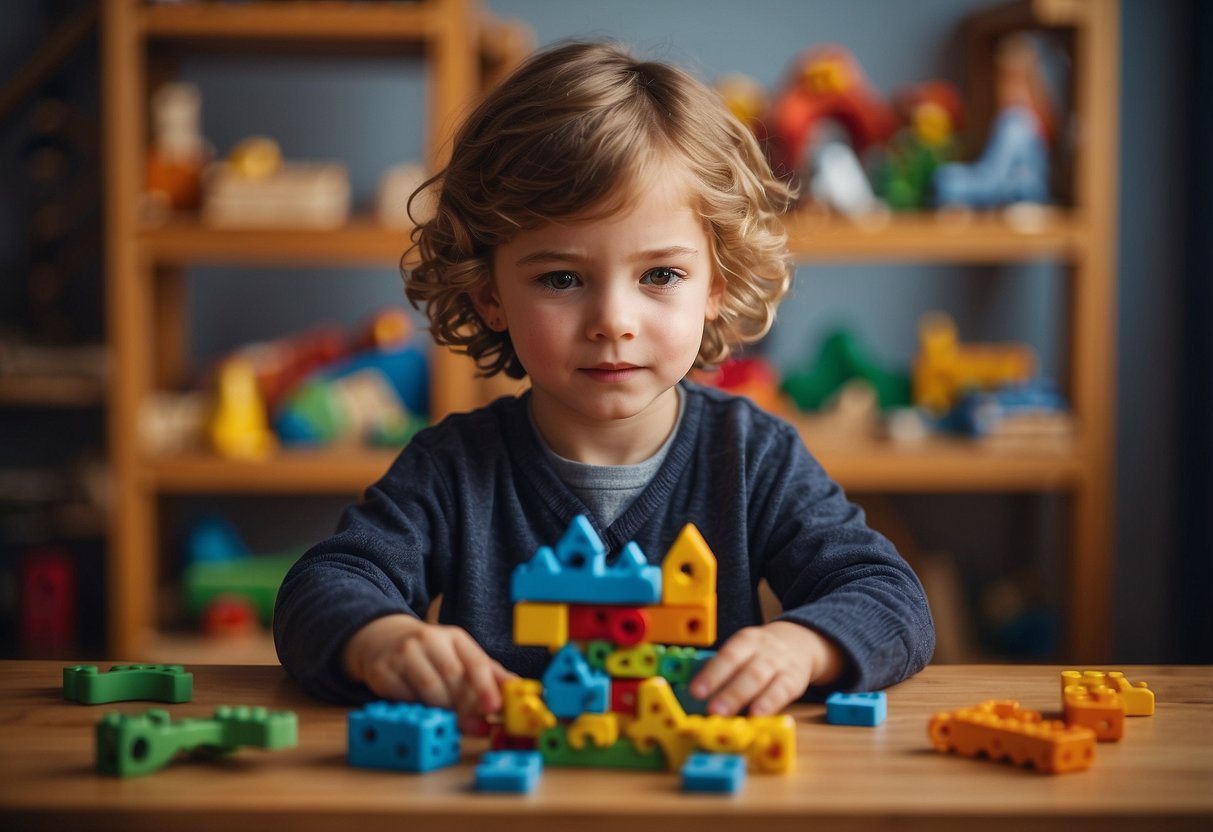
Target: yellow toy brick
x=689 y=625
x=524 y=712
x=773 y=750
x=688 y=573
x=639 y=662
x=601 y=730
x=944 y=367
x=1138 y=698
x=720 y=734
x=660 y=720
x=541 y=625
x=1101 y=709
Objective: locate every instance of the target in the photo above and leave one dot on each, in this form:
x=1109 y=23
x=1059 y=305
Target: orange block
x=1004 y=731
x=1100 y=709
x=689 y=625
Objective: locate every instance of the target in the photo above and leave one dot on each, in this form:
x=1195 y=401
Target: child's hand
x=401 y=657
x=766 y=668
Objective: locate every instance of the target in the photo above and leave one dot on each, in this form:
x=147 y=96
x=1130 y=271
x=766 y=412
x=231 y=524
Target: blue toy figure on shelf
x=603 y=226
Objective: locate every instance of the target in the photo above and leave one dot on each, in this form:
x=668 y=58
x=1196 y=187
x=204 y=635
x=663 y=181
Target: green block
x=86 y=684
x=554 y=746
x=256 y=578
x=132 y=745
x=596 y=653
x=841 y=359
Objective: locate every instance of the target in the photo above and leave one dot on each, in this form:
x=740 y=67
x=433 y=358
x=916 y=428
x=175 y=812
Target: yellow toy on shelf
x=239 y=428
x=944 y=368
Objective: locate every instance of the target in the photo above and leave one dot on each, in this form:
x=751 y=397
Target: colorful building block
x=690 y=625
x=576 y=572
x=868 y=709
x=720 y=734
x=88 y=685
x=661 y=721
x=678 y=665
x=773 y=750
x=541 y=625
x=599 y=730
x=557 y=751
x=1138 y=698
x=132 y=745
x=639 y=662
x=688 y=571
x=1003 y=730
x=1101 y=709
x=690 y=704
x=403 y=736
x=596 y=653
x=524 y=711
x=715 y=773
x=625 y=626
x=509 y=771
x=625 y=695
x=571 y=687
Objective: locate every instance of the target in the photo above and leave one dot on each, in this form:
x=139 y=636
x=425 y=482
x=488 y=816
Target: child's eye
x=664 y=278
x=559 y=281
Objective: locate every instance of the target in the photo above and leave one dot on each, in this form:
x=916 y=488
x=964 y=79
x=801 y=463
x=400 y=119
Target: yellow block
x=602 y=730
x=541 y=625
x=660 y=719
x=524 y=712
x=688 y=573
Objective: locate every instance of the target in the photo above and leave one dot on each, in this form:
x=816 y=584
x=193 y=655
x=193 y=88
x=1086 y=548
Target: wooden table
x=1159 y=776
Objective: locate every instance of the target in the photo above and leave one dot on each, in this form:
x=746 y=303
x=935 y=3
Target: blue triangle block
x=576 y=572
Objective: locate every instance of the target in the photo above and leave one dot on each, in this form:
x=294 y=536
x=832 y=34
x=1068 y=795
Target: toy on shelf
x=931 y=113
x=379 y=395
x=86 y=684
x=753 y=377
x=131 y=745
x=827 y=84
x=254 y=188
x=227 y=595
x=944 y=368
x=396 y=188
x=239 y=428
x=48 y=602
x=1001 y=730
x=840 y=359
x=1014 y=166
x=1033 y=409
x=626 y=639
x=178 y=153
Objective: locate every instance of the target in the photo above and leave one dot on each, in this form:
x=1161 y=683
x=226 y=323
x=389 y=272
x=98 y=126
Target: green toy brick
x=132 y=745
x=86 y=684
x=554 y=746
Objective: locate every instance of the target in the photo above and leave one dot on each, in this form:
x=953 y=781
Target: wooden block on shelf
x=314 y=195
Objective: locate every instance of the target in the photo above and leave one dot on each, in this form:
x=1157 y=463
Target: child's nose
x=613 y=317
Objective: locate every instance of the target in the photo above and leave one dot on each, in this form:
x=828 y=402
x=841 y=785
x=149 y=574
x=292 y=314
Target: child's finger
x=389 y=685
x=418 y=671
x=735 y=653
x=481 y=679
x=739 y=691
x=774 y=698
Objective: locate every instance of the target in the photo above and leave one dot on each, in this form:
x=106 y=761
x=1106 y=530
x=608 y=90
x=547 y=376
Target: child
x=603 y=226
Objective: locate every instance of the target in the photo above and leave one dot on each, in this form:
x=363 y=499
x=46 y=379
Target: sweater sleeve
x=835 y=574
x=379 y=562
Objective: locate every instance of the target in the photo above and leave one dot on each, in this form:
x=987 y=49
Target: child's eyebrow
x=548 y=255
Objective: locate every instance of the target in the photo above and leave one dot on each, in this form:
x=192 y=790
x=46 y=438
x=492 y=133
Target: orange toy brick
x=1003 y=730
x=1101 y=709
x=1138 y=698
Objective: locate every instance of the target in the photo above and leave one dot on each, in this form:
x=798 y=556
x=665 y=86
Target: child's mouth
x=611 y=373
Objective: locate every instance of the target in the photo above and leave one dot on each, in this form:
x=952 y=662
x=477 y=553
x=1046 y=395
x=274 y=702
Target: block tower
x=626 y=639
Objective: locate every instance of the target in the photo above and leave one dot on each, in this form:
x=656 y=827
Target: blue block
x=576 y=572
x=571 y=687
x=713 y=773
x=403 y=736
x=867 y=709
x=509 y=771
x=690 y=705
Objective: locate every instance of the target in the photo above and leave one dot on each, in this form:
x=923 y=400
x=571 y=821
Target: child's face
x=607 y=314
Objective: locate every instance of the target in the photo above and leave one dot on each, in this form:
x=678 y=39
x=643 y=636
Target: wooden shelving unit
x=463 y=50
x=145 y=299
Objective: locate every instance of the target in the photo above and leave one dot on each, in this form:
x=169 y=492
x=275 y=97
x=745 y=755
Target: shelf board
x=921 y=237
x=949 y=464
x=51 y=391
x=293 y=22
x=186 y=241
x=938 y=238
x=327 y=471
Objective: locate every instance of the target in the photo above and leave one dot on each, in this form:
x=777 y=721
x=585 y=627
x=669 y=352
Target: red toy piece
x=826 y=83
x=48 y=602
x=624 y=626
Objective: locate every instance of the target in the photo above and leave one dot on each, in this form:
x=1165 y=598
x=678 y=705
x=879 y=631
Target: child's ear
x=488 y=306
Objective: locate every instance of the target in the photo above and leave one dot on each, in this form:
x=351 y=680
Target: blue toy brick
x=714 y=773
x=867 y=709
x=576 y=572
x=571 y=687
x=509 y=771
x=403 y=736
x=690 y=705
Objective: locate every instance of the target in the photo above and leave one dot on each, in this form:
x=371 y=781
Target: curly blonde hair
x=571 y=133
